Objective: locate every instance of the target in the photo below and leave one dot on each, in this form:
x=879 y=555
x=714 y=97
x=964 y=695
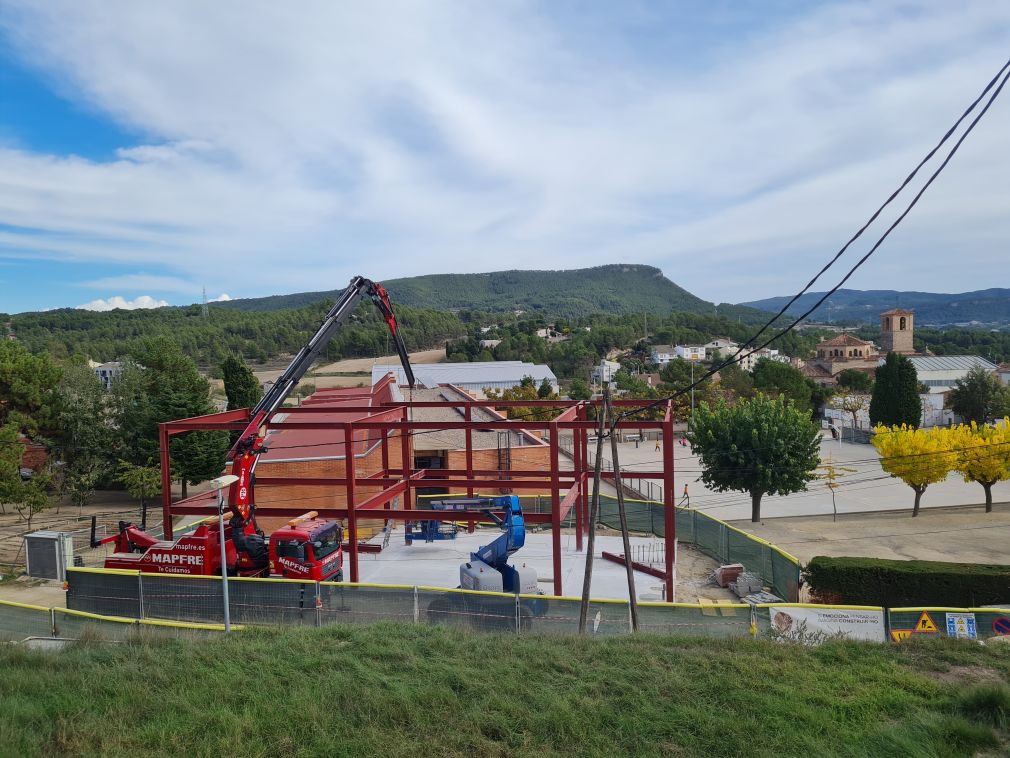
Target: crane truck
x=488 y=570
x=307 y=547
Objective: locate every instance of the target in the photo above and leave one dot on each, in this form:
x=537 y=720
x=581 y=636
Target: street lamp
x=219 y=484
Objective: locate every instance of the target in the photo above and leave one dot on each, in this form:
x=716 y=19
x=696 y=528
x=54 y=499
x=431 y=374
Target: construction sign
x=962 y=626
x=900 y=634
x=925 y=624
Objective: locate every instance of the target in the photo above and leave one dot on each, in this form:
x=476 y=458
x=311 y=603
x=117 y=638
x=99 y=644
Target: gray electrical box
x=49 y=553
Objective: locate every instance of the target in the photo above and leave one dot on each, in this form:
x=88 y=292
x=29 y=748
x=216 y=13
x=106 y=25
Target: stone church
x=847 y=352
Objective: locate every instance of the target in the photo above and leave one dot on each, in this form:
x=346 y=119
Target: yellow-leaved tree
x=983 y=455
x=918 y=457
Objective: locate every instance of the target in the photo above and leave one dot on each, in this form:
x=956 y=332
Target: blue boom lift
x=488 y=570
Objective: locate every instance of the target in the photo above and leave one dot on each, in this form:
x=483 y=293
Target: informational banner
x=810 y=622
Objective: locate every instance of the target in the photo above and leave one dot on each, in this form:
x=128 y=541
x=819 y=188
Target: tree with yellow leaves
x=918 y=457
x=983 y=455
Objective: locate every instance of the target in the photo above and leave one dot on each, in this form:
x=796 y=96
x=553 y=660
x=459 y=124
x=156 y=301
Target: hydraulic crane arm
x=249 y=444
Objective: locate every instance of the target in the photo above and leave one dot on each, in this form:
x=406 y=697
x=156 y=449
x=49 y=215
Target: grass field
x=396 y=690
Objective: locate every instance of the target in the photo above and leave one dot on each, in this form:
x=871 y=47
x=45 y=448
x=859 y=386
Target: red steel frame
x=568 y=489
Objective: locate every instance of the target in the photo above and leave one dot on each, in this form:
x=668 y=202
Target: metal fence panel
x=18 y=621
x=709 y=536
x=365 y=604
x=705 y=621
x=754 y=556
x=109 y=593
x=76 y=624
x=275 y=601
x=561 y=616
x=785 y=576
x=480 y=611
x=183 y=598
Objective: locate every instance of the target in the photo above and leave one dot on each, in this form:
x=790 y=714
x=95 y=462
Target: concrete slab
x=437 y=564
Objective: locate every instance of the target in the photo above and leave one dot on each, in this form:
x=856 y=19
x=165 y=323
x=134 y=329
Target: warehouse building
x=473 y=378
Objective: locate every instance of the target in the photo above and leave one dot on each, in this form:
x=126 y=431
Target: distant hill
x=982 y=308
x=617 y=289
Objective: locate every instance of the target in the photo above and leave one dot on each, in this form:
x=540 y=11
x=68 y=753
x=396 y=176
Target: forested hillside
x=989 y=307
x=253 y=335
x=615 y=289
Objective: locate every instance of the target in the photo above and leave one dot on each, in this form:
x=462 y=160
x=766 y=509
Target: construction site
x=411 y=483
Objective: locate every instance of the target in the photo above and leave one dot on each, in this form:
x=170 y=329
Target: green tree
x=759 y=446
x=171 y=388
x=775 y=378
x=81 y=482
x=34 y=496
x=545 y=390
x=85 y=438
x=735 y=383
x=11 y=454
x=855 y=381
x=579 y=390
x=979 y=397
x=895 y=399
x=27 y=389
x=240 y=384
x=142 y=482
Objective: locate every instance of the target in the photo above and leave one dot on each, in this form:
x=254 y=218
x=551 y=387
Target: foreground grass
x=396 y=690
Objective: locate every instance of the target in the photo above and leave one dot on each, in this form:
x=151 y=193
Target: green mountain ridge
x=615 y=288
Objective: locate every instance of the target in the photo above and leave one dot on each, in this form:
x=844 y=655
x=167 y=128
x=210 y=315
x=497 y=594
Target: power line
x=736 y=357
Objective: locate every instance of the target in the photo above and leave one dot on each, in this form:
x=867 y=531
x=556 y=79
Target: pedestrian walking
x=657 y=444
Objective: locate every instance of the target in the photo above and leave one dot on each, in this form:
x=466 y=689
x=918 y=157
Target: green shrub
x=876 y=581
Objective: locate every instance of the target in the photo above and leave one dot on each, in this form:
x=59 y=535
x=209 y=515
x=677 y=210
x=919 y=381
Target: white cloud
x=117 y=301
x=290 y=151
x=224 y=297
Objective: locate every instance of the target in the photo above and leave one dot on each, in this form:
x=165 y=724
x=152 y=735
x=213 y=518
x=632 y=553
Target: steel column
x=669 y=509
x=166 y=480
x=555 y=510
x=352 y=519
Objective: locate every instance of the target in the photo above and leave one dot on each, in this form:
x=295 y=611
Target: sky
x=151 y=151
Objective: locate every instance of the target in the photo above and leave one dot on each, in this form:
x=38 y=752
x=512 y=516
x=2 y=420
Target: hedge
x=876 y=581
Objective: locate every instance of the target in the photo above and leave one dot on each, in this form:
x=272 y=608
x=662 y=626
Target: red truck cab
x=308 y=548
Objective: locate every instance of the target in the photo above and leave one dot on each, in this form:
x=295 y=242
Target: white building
x=107 y=372
x=941 y=372
x=691 y=352
x=748 y=360
x=724 y=347
x=604 y=373
x=1003 y=371
x=490 y=344
x=663 y=354
x=473 y=377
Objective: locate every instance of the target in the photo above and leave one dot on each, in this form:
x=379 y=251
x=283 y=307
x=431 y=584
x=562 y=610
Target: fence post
x=319 y=604
x=52 y=622
x=518 y=617
x=140 y=595
x=631 y=620
x=417 y=611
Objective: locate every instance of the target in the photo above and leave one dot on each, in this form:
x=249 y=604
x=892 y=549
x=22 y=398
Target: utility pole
x=594 y=511
x=205 y=311
x=612 y=425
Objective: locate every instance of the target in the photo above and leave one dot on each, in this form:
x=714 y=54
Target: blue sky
x=149 y=151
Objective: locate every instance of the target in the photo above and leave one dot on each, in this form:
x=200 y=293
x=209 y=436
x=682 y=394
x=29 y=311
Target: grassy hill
x=401 y=690
x=617 y=289
x=989 y=307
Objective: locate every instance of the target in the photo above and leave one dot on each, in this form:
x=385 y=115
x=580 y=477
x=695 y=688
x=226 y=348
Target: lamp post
x=219 y=484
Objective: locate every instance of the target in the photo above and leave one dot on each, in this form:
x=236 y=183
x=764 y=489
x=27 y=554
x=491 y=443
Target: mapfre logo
x=175 y=559
x=293 y=565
